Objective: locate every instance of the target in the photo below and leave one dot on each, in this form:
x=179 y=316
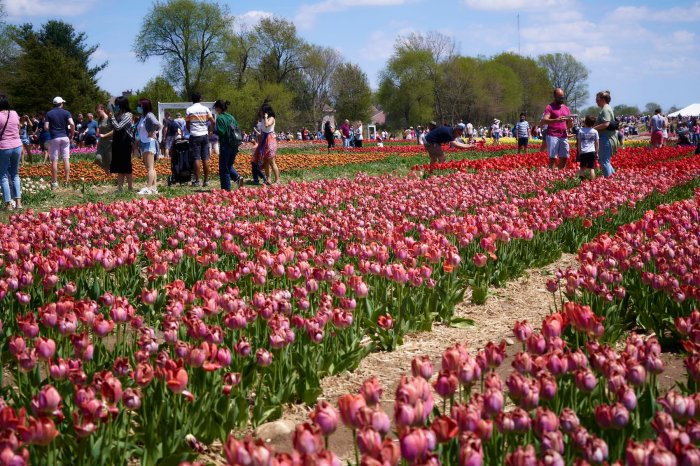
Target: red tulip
x=349 y=407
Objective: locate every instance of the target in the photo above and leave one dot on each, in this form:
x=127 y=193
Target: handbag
x=2 y=133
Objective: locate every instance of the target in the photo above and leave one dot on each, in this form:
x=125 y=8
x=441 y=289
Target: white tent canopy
x=690 y=110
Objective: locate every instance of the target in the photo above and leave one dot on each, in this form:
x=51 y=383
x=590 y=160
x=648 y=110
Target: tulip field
x=138 y=331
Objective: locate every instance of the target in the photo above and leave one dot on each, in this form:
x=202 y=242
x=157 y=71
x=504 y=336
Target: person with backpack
x=122 y=142
x=230 y=138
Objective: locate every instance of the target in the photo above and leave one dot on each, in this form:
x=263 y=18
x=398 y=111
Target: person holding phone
x=558 y=120
x=121 y=122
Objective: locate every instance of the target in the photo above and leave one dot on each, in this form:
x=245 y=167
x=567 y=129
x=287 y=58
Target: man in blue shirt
x=59 y=123
x=439 y=136
x=90 y=131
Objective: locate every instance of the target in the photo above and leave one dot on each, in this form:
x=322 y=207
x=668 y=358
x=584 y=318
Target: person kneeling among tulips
x=442 y=135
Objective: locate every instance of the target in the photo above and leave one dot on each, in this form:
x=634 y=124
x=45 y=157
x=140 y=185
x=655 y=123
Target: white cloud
x=24 y=8
x=504 y=5
x=676 y=14
x=306 y=15
x=250 y=18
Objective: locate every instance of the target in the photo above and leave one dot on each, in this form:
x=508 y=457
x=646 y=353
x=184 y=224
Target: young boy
x=587 y=145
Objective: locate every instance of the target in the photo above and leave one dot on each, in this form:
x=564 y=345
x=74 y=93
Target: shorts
x=169 y=140
x=557 y=147
x=434 y=149
x=587 y=160
x=522 y=142
x=150 y=146
x=59 y=146
x=657 y=137
x=90 y=139
x=199 y=147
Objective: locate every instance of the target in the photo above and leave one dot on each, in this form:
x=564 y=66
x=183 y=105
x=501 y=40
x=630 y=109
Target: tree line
x=203 y=48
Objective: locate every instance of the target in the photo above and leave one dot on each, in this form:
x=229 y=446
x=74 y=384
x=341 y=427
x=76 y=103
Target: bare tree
x=440 y=49
x=242 y=55
x=281 y=49
x=319 y=64
x=187 y=35
x=566 y=72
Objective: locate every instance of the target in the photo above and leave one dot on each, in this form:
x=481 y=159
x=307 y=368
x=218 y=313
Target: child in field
x=587 y=147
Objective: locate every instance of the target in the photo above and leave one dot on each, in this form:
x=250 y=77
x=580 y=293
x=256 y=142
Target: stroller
x=181 y=166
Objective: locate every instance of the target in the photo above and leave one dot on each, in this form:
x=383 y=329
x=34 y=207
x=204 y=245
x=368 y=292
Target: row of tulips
x=647 y=274
x=560 y=403
x=633 y=157
x=255 y=309
x=90 y=172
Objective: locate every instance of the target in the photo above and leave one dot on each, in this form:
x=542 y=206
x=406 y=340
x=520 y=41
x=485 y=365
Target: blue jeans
x=9 y=173
x=227 y=155
x=604 y=156
x=256 y=168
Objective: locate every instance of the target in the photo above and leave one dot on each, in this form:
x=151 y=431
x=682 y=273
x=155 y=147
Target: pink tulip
x=416 y=444
x=371 y=390
x=568 y=421
x=45 y=348
x=307 y=439
x=47 y=402
x=470 y=451
x=422 y=367
x=522 y=457
x=369 y=442
x=522 y=331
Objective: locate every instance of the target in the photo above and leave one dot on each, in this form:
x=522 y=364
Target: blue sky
x=640 y=50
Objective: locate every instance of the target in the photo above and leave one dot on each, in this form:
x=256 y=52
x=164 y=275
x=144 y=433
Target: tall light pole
x=519 y=34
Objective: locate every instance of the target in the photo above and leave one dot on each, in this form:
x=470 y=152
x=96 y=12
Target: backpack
x=234 y=135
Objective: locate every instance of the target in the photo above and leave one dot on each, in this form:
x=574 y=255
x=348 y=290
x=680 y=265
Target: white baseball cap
x=58 y=101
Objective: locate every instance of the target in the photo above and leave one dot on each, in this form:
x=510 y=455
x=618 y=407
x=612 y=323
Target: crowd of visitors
x=120 y=134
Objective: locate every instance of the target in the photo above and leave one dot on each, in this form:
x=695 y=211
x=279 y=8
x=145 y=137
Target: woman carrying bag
x=10 y=153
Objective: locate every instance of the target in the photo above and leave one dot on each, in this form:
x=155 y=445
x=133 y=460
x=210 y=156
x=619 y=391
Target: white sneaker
x=54 y=185
x=144 y=191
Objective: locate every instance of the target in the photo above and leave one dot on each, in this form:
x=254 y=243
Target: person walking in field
x=198 y=116
x=10 y=152
x=121 y=122
x=59 y=123
x=558 y=120
x=588 y=145
x=608 y=133
x=147 y=128
x=658 y=125
x=103 y=154
x=439 y=136
x=227 y=146
x=328 y=135
x=522 y=132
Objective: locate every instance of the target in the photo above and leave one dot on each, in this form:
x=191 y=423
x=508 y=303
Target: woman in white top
x=147 y=128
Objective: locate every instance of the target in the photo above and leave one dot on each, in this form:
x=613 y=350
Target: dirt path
x=523 y=298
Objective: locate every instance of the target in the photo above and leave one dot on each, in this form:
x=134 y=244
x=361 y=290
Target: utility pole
x=519 y=34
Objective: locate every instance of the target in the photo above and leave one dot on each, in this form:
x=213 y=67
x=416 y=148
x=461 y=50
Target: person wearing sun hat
x=59 y=122
x=496 y=130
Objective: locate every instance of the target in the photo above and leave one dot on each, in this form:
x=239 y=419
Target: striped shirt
x=198 y=115
x=523 y=129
